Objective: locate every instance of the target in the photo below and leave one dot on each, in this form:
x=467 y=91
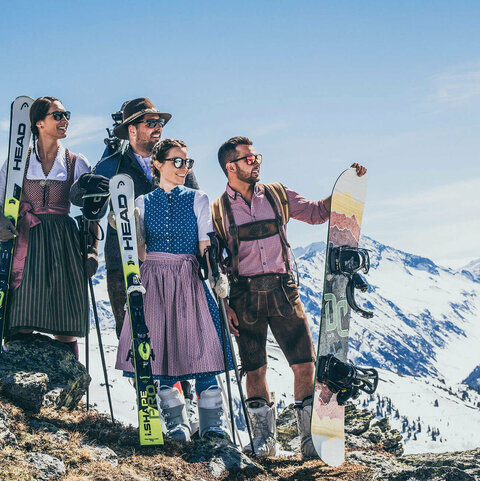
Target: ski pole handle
x=213 y=255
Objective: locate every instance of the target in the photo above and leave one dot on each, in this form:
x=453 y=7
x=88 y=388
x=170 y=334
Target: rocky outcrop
x=457 y=466
x=361 y=431
x=41 y=372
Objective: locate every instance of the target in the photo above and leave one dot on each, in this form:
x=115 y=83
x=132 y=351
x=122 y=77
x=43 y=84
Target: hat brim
x=121 y=131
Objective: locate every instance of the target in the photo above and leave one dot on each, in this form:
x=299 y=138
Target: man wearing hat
x=142 y=126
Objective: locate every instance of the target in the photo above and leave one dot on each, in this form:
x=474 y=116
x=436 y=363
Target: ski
x=122 y=198
x=343 y=260
x=19 y=141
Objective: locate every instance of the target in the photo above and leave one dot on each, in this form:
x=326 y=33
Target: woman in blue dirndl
x=180 y=311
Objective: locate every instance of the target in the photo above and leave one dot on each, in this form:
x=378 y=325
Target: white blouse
x=58 y=171
x=201 y=207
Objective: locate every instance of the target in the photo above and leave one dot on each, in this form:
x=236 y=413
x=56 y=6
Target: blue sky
x=317 y=85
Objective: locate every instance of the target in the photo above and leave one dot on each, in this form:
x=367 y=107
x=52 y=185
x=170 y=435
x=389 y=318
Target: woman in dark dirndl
x=47 y=289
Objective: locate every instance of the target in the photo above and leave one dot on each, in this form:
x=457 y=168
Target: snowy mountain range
x=424 y=337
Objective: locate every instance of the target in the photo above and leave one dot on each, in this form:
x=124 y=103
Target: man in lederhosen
x=251 y=218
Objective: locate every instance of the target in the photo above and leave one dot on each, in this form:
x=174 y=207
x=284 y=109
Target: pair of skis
x=18 y=148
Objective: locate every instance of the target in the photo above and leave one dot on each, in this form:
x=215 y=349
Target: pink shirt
x=264 y=256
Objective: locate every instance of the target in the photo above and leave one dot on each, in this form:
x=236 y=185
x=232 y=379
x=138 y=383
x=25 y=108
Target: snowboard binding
x=349 y=261
x=345 y=379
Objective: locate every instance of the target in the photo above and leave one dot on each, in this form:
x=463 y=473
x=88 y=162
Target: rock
x=48 y=467
x=221 y=455
x=24 y=389
x=287 y=434
x=102 y=453
x=7 y=438
x=357 y=421
x=40 y=372
x=56 y=433
x=458 y=466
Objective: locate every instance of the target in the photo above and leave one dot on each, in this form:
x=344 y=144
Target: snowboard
x=348 y=197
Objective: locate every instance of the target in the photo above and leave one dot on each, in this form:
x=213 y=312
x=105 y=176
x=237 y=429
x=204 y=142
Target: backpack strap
x=218 y=217
x=276 y=190
x=281 y=223
x=280 y=194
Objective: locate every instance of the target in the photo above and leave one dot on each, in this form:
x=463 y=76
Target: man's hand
x=7 y=229
x=232 y=320
x=94 y=184
x=361 y=170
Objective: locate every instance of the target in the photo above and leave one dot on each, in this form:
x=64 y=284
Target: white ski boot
x=172 y=404
x=191 y=406
x=304 y=416
x=264 y=427
x=210 y=413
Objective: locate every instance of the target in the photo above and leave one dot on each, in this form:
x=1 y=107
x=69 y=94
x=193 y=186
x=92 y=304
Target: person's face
x=244 y=172
x=143 y=136
x=51 y=127
x=168 y=172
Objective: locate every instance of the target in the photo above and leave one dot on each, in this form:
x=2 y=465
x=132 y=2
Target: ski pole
x=100 y=345
x=83 y=243
x=227 y=376
x=214 y=259
x=83 y=225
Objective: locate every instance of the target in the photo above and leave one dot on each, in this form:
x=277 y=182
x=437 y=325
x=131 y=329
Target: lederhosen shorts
x=270 y=300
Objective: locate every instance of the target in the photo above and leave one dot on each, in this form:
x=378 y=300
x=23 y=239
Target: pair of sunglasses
x=250 y=159
x=152 y=123
x=178 y=162
x=58 y=114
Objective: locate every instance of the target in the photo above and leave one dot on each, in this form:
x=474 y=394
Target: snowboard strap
x=345 y=379
x=348 y=261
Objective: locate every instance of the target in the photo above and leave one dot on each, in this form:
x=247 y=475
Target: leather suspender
x=233 y=229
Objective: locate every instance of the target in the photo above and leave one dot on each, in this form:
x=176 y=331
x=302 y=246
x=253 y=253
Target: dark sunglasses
x=152 y=123
x=250 y=159
x=58 y=114
x=178 y=162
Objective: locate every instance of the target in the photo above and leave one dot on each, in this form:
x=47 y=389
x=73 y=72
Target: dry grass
x=69 y=435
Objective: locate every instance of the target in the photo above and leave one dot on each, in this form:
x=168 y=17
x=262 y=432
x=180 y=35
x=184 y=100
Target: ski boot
x=191 y=406
x=264 y=427
x=303 y=413
x=210 y=413
x=345 y=379
x=172 y=404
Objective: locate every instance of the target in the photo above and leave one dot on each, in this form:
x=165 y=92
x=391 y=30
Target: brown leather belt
x=263 y=282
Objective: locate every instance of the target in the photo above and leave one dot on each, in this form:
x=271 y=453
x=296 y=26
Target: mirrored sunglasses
x=58 y=114
x=250 y=159
x=178 y=162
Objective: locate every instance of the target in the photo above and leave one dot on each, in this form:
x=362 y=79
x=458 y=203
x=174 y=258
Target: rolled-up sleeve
x=310 y=211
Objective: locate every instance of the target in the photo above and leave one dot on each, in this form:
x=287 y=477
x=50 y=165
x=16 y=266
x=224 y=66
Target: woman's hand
x=7 y=229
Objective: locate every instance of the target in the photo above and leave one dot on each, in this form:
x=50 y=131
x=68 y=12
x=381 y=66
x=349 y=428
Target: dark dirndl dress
x=50 y=295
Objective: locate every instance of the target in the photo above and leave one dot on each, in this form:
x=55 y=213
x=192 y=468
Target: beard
x=248 y=177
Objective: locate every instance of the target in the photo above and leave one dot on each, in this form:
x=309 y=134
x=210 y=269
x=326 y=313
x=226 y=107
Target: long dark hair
x=38 y=111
